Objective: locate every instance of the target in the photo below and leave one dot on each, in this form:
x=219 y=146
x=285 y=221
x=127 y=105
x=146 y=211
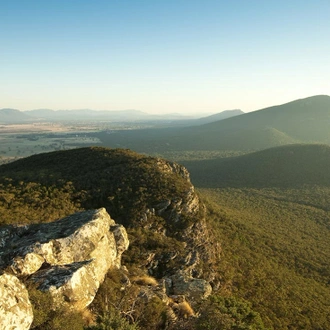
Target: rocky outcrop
x=186 y=215
x=69 y=257
x=171 y=167
x=194 y=288
x=153 y=197
x=15 y=307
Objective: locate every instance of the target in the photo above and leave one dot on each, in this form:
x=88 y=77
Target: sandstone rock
x=122 y=241
x=171 y=167
x=15 y=307
x=69 y=257
x=183 y=284
x=185 y=216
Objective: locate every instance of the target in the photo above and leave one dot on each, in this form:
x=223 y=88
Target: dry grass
x=184 y=309
x=88 y=317
x=144 y=280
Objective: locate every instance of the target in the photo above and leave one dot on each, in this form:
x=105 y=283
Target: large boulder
x=69 y=257
x=183 y=284
x=15 y=307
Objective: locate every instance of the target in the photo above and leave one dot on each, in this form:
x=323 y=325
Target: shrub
x=228 y=313
x=45 y=318
x=112 y=320
x=151 y=315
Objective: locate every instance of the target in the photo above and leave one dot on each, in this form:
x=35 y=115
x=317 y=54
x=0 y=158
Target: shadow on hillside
x=291 y=166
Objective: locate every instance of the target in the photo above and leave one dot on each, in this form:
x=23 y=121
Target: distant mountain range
x=13 y=116
x=301 y=121
x=10 y=116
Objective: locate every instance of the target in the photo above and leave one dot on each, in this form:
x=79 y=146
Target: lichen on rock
x=15 y=307
x=68 y=257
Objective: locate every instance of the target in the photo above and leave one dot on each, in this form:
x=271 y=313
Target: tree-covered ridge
x=286 y=166
x=124 y=182
x=132 y=187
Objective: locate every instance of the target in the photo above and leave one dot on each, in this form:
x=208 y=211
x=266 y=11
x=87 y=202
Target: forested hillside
x=271 y=209
x=288 y=166
x=276 y=253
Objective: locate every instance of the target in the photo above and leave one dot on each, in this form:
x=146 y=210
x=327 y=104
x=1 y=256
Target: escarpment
x=150 y=198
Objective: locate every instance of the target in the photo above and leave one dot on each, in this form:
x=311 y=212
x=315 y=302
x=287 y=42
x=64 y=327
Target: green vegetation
x=275 y=255
x=122 y=181
x=227 y=313
x=48 y=319
x=269 y=210
x=15 y=145
x=115 y=307
x=23 y=202
x=44 y=187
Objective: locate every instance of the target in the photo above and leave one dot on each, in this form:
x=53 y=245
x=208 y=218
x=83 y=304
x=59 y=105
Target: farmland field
x=18 y=141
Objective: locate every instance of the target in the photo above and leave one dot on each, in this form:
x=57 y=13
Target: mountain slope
x=306 y=120
x=272 y=208
x=301 y=121
x=219 y=116
x=285 y=166
x=94 y=169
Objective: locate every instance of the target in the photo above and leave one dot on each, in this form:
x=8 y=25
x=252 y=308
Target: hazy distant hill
x=301 y=121
x=306 y=120
x=285 y=166
x=127 y=115
x=208 y=119
x=219 y=116
x=84 y=114
x=94 y=115
x=8 y=116
x=13 y=116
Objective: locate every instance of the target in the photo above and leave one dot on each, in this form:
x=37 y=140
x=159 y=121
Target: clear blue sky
x=162 y=56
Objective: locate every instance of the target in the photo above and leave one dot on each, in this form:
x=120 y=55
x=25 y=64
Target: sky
x=162 y=56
